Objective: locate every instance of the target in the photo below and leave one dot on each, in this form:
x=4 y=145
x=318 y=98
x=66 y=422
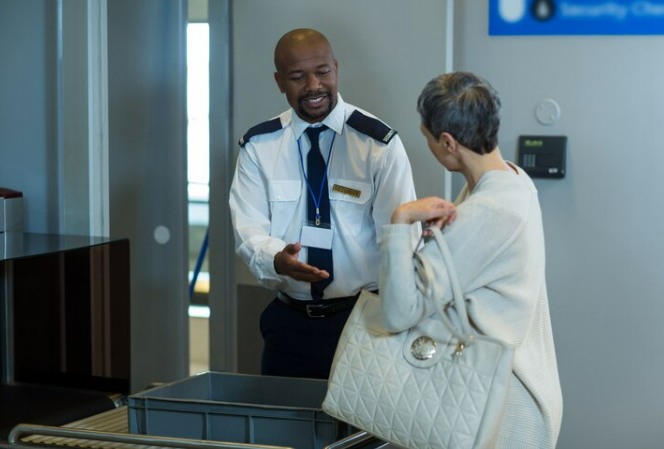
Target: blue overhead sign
x=575 y=17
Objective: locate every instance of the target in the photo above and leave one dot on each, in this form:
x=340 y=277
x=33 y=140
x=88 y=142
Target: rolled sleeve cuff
x=400 y=234
x=264 y=264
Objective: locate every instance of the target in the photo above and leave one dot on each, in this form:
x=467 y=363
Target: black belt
x=319 y=309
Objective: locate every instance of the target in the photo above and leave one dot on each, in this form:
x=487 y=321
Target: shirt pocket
x=283 y=196
x=350 y=202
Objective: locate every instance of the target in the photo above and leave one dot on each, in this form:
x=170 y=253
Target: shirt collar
x=334 y=120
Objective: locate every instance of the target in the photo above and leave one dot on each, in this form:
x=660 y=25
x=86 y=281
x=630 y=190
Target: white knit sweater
x=497 y=244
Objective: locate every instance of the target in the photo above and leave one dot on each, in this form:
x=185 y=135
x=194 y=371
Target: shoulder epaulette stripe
x=262 y=128
x=370 y=126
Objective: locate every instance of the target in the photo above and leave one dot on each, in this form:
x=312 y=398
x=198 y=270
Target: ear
x=277 y=78
x=449 y=142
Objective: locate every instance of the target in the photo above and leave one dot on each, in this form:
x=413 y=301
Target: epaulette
x=370 y=126
x=262 y=128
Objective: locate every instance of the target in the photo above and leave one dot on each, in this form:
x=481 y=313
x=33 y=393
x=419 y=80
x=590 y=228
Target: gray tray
x=278 y=411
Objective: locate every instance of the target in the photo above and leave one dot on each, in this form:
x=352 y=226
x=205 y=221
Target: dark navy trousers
x=297 y=345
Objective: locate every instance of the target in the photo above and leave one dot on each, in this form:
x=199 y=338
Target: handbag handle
x=465 y=333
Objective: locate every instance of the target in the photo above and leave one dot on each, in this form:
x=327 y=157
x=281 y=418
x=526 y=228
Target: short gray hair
x=464 y=105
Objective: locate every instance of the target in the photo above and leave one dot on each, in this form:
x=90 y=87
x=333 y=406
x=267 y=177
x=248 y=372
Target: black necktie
x=317 y=257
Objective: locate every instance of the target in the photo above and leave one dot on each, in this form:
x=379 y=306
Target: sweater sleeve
x=482 y=231
x=398 y=280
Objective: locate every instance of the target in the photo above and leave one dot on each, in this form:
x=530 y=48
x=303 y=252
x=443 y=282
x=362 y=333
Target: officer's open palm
x=286 y=263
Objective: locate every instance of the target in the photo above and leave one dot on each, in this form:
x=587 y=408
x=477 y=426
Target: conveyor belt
x=114 y=424
x=115 y=420
x=47 y=405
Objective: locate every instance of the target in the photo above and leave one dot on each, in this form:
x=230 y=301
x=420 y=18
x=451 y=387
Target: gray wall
x=602 y=222
x=147 y=145
x=74 y=124
x=43 y=112
x=222 y=143
x=386 y=51
x=377 y=54
x=42 y=153
x=29 y=138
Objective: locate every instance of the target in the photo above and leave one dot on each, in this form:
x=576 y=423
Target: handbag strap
x=425 y=271
x=465 y=333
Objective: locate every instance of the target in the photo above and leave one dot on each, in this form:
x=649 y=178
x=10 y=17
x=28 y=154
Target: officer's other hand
x=286 y=263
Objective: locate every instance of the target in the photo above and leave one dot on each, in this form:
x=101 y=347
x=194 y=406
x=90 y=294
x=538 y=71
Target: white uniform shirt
x=268 y=200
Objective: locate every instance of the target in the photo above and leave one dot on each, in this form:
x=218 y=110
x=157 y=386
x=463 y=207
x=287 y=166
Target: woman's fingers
x=426 y=209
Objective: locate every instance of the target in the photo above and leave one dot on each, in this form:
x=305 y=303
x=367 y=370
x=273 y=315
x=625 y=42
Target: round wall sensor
x=547 y=112
x=162 y=235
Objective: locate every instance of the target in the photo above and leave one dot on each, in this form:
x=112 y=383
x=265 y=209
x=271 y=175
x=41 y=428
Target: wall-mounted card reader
x=543 y=156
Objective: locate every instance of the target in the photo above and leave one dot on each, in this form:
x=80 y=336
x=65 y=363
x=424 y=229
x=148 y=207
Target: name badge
x=347 y=191
x=316 y=237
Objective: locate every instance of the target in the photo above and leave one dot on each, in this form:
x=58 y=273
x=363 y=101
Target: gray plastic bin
x=279 y=411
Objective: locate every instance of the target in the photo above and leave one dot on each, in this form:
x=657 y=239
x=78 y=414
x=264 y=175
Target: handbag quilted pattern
x=454 y=400
x=367 y=395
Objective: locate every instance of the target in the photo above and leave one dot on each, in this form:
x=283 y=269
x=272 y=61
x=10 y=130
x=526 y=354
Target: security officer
x=311 y=190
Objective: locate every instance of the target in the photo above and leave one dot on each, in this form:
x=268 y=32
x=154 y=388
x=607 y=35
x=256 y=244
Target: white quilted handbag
x=438 y=385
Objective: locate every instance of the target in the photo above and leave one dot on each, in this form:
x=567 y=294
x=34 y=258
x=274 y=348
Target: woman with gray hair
x=495 y=235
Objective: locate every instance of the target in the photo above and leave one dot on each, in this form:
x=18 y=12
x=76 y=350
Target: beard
x=318 y=113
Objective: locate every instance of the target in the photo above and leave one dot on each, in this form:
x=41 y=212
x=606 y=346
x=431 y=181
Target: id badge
x=316 y=236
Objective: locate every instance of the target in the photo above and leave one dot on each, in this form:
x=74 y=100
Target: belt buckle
x=311 y=311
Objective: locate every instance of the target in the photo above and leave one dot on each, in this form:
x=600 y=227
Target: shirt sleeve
x=250 y=213
x=394 y=186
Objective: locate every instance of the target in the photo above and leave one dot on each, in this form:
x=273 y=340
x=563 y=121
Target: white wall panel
x=602 y=222
x=147 y=144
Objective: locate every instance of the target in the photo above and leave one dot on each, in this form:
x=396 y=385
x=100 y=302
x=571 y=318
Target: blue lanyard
x=322 y=184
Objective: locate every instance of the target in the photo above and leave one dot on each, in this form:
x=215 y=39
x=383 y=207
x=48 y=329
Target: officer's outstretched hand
x=287 y=264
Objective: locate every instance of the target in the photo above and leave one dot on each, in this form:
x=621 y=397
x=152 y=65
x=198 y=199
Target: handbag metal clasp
x=423 y=348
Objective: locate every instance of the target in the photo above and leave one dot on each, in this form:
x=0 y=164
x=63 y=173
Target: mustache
x=317 y=94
